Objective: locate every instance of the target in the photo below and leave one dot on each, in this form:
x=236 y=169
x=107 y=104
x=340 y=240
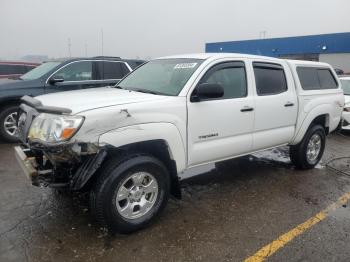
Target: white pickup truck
x=129 y=145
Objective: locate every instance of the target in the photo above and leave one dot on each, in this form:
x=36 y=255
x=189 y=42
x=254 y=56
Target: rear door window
x=113 y=70
x=313 y=78
x=326 y=79
x=269 y=78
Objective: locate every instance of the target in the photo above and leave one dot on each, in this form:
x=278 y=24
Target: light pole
x=69 y=46
x=101 y=41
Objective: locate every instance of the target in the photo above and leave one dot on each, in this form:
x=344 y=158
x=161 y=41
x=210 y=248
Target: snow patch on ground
x=319 y=166
x=277 y=154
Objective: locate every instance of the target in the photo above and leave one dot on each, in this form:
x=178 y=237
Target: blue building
x=330 y=48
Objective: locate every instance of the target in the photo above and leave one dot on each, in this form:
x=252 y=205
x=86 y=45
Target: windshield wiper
x=145 y=91
x=119 y=87
x=141 y=90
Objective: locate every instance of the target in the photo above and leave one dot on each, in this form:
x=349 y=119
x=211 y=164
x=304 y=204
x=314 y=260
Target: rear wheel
x=309 y=151
x=8 y=123
x=130 y=193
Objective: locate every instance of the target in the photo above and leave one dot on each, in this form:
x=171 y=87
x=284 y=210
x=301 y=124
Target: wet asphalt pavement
x=225 y=215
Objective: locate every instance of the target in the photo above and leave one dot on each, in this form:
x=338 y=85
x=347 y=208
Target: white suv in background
x=345 y=83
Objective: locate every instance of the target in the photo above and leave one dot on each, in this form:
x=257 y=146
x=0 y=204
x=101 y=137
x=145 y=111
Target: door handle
x=289 y=104
x=247 y=109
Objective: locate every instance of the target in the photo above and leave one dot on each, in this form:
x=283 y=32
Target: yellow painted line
x=284 y=239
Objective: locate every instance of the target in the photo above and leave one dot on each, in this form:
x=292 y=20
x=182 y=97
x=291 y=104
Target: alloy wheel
x=136 y=195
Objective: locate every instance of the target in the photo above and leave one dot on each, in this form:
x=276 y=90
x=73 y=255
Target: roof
x=95 y=58
x=310 y=44
x=306 y=63
x=215 y=55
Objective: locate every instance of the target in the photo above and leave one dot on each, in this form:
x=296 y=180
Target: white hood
x=87 y=99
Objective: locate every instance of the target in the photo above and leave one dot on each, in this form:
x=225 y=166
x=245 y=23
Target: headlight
x=54 y=128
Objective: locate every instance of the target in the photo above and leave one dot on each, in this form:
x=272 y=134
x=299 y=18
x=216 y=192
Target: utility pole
x=262 y=34
x=69 y=45
x=101 y=41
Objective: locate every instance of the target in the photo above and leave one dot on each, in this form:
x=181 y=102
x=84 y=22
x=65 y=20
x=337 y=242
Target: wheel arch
x=156 y=148
x=10 y=101
x=161 y=140
x=320 y=116
x=322 y=120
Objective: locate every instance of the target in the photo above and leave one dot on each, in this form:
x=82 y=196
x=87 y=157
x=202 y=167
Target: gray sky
x=151 y=28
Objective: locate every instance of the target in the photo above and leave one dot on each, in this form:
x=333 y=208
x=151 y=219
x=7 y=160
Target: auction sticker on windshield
x=185 y=65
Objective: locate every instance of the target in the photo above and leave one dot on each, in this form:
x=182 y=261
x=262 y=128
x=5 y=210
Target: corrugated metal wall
x=313 y=44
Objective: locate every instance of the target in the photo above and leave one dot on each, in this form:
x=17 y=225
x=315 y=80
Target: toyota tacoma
x=129 y=145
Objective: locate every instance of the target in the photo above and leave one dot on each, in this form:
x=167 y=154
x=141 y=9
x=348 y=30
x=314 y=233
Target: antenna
x=86 y=49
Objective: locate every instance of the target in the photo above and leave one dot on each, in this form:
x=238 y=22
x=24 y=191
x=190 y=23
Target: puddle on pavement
x=340 y=164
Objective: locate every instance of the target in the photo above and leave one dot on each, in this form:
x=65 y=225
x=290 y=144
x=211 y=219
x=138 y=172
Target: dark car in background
x=14 y=70
x=339 y=71
x=58 y=76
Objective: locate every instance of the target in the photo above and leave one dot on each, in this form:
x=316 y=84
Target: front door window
x=77 y=71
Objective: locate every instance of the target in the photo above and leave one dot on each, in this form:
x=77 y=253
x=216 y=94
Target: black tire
x=298 y=153
x=5 y=112
x=111 y=176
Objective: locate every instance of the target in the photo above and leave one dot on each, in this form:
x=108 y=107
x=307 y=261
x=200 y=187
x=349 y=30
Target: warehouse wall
x=339 y=60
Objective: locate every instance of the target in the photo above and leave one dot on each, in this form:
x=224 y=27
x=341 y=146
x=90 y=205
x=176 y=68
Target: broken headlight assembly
x=52 y=128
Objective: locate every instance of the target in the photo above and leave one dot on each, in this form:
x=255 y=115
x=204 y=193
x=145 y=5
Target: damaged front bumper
x=47 y=169
x=66 y=164
x=27 y=163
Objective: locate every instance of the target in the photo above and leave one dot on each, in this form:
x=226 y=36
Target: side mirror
x=55 y=80
x=205 y=91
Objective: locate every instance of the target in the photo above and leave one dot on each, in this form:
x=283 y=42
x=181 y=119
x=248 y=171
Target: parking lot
x=228 y=214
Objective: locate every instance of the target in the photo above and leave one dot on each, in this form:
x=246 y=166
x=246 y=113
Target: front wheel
x=309 y=151
x=130 y=193
x=8 y=123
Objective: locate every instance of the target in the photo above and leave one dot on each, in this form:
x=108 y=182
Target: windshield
x=345 y=84
x=39 y=71
x=162 y=76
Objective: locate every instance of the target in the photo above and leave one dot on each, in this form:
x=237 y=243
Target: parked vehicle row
x=129 y=145
x=13 y=70
x=58 y=76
